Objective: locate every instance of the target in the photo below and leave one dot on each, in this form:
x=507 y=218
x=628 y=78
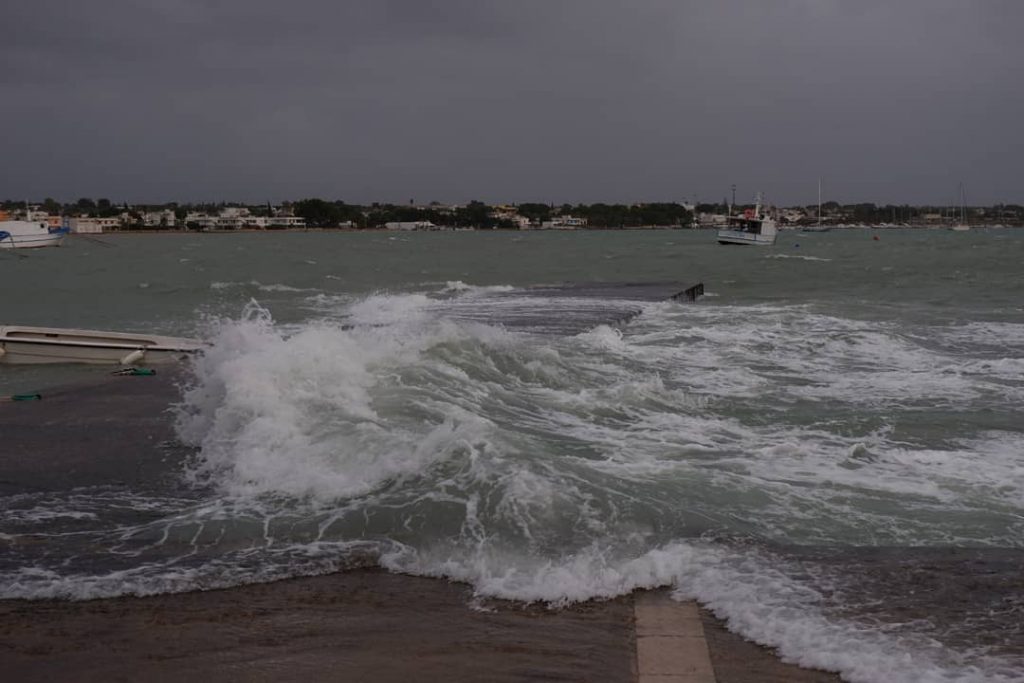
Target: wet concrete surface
x=88 y=434
x=365 y=625
x=362 y=625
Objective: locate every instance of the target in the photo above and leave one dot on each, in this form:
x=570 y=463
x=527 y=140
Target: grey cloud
x=551 y=101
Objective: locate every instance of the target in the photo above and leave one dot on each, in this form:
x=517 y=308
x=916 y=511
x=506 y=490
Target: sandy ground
x=365 y=625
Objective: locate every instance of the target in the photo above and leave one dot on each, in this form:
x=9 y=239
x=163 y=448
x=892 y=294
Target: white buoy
x=3 y=352
x=133 y=357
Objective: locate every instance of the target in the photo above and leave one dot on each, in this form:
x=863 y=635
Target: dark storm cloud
x=568 y=100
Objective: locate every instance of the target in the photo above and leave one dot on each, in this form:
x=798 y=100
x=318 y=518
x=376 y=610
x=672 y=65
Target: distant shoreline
x=673 y=228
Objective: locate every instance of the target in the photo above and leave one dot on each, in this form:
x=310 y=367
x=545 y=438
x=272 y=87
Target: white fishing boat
x=27 y=345
x=755 y=226
x=29 y=234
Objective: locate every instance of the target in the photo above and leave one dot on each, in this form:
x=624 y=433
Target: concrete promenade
x=361 y=625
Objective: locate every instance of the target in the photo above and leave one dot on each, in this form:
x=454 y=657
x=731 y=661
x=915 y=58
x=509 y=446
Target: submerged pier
x=569 y=308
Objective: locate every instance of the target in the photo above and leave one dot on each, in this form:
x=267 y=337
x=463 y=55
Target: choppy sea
x=827 y=450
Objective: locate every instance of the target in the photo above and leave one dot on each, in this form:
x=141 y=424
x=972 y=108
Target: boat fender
x=133 y=357
x=3 y=351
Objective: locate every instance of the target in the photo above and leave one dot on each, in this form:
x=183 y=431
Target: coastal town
x=88 y=216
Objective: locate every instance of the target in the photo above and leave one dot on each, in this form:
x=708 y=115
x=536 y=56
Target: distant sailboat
x=819 y=227
x=962 y=226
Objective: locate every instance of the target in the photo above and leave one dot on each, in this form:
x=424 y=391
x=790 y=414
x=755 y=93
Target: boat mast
x=819 y=202
x=963 y=209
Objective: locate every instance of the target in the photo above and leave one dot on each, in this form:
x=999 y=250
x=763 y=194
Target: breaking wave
x=684 y=450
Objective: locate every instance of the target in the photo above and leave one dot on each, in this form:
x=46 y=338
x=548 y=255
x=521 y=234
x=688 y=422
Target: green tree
x=318 y=213
x=106 y=209
x=474 y=215
x=537 y=213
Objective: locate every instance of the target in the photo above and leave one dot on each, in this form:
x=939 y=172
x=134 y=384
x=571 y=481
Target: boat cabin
x=748 y=225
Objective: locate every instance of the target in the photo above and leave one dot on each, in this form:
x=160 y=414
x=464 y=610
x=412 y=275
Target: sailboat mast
x=819 y=202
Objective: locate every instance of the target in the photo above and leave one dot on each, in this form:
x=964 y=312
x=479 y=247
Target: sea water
x=827 y=450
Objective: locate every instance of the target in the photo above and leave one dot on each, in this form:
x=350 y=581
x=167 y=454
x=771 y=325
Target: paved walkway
x=670 y=644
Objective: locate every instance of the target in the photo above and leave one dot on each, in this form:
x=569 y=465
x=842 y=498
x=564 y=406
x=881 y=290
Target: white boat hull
x=46 y=345
x=742 y=237
x=29 y=235
x=31 y=242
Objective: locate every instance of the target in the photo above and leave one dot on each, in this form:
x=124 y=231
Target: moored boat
x=29 y=234
x=755 y=226
x=818 y=227
x=21 y=345
x=961 y=224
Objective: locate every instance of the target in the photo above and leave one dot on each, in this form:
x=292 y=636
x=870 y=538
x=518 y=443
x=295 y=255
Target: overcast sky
x=518 y=100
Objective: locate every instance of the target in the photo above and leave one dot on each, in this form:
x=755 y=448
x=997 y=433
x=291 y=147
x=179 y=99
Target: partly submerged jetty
x=568 y=308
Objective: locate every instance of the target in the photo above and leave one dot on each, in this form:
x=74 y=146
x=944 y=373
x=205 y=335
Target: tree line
x=321 y=213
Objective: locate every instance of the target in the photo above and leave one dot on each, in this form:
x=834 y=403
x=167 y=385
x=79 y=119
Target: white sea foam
x=275 y=287
x=795 y=256
x=741 y=350
x=754 y=592
x=462 y=287
x=321 y=413
x=294 y=415
x=566 y=468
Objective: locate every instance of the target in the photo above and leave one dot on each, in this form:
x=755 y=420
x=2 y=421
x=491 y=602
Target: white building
x=792 y=215
x=511 y=215
x=234 y=218
x=234 y=212
x=85 y=224
x=204 y=221
x=158 y=219
x=564 y=223
x=712 y=219
x=285 y=222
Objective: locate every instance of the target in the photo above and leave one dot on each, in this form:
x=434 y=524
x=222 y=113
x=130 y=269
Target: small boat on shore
x=21 y=345
x=29 y=234
x=753 y=227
